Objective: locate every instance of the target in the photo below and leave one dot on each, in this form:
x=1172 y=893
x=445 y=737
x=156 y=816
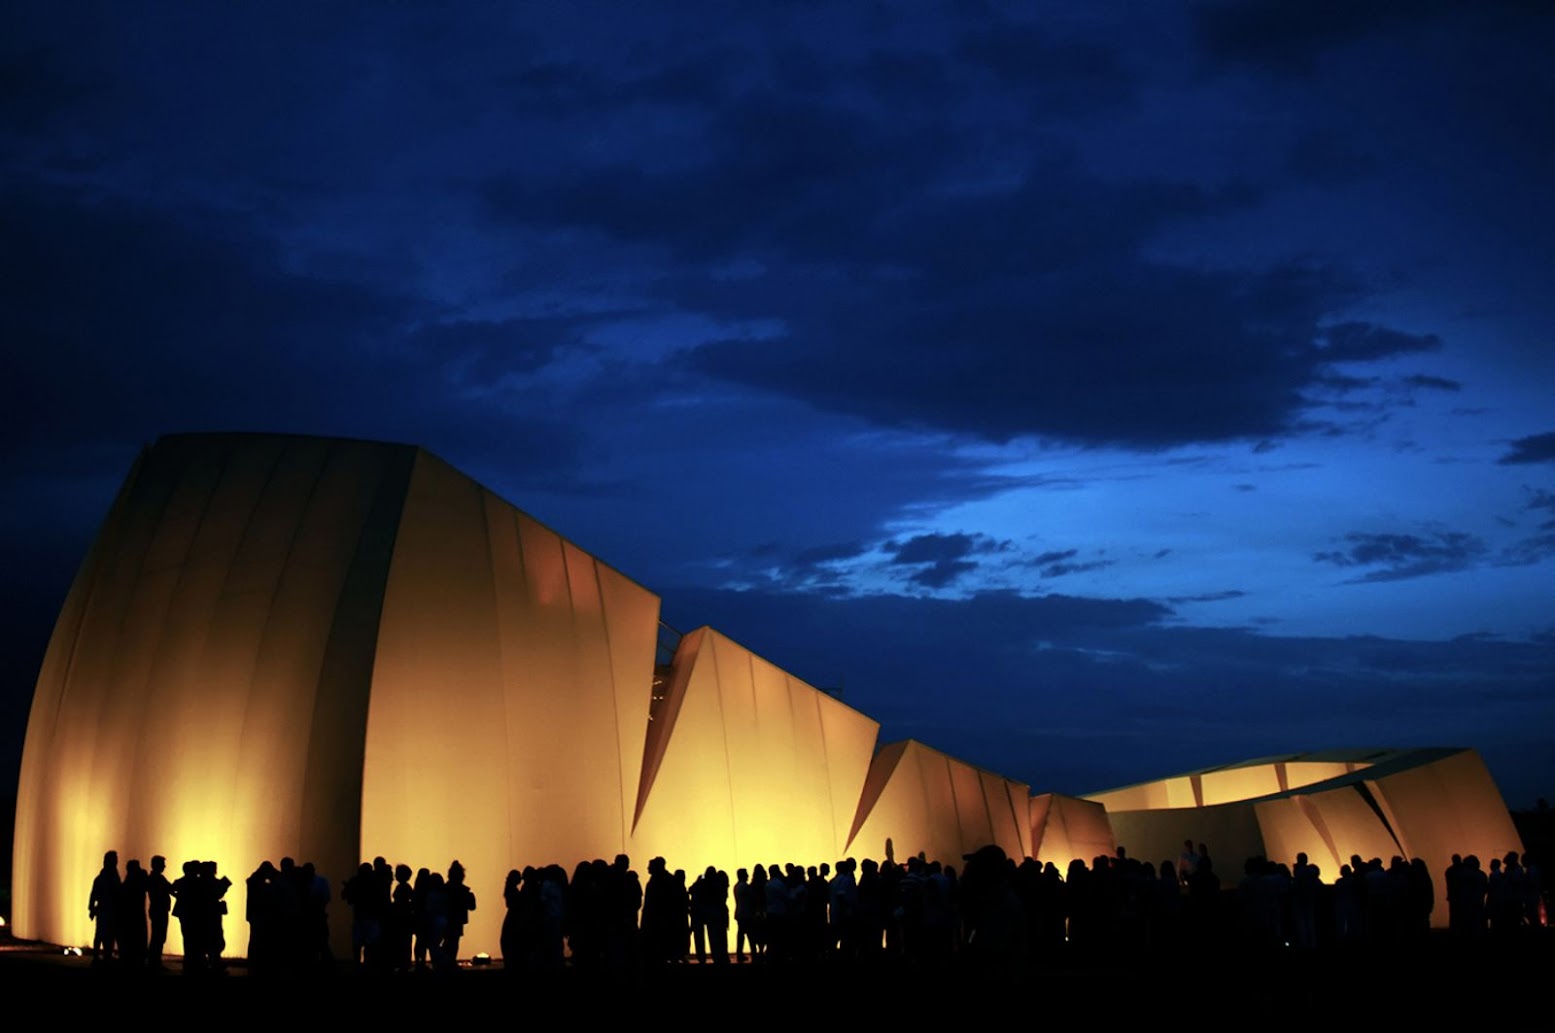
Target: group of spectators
x=130 y=912
x=992 y=910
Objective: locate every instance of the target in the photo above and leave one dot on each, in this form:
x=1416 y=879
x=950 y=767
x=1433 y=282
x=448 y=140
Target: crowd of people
x=130 y=913
x=990 y=911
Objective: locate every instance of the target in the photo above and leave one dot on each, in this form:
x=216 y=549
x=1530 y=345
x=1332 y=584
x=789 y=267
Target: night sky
x=1092 y=391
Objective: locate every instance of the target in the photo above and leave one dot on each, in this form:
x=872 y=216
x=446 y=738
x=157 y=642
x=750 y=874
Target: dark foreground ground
x=1434 y=986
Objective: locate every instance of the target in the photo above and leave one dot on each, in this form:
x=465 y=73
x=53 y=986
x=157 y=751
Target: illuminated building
x=332 y=650
x=1429 y=803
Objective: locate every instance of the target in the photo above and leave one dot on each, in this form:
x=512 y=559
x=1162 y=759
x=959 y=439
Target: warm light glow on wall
x=332 y=650
x=1427 y=803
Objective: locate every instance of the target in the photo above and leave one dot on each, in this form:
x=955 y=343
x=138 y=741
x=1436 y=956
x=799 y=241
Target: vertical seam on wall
x=615 y=703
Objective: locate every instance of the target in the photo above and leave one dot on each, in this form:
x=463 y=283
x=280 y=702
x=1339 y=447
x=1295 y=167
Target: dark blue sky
x=1094 y=391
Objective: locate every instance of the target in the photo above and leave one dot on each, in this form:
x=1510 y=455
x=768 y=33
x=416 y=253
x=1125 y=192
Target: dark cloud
x=831 y=553
x=38 y=85
x=124 y=322
x=1535 y=448
x=1129 y=353
x=944 y=555
x=1330 y=159
x=1053 y=570
x=1367 y=342
x=779 y=172
x=1022 y=307
x=933 y=548
x=1534 y=549
x=915 y=293
x=1062 y=562
x=942 y=573
x=1053 y=557
x=1422 y=380
x=1071 y=76
x=486 y=351
x=1401 y=556
x=1208 y=597
x=1288 y=36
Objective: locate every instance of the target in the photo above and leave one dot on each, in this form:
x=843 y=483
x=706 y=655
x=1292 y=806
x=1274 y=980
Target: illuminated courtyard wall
x=1067 y=828
x=1426 y=803
x=331 y=650
x=510 y=690
x=206 y=686
x=748 y=764
x=924 y=801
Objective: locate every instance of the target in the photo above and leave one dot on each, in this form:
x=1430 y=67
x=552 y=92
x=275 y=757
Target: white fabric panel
x=186 y=699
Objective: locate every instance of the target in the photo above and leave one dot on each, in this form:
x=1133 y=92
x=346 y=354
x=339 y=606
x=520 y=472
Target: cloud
x=1208 y=597
x=919 y=291
x=1535 y=448
x=942 y=556
x=1053 y=557
x=1366 y=342
x=124 y=322
x=1288 y=36
x=942 y=573
x=933 y=548
x=1064 y=569
x=1534 y=549
x=830 y=553
x=1422 y=380
x=1401 y=556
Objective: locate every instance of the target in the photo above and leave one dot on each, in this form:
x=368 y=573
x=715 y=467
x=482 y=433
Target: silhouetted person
x=101 y=905
x=512 y=922
x=159 y=899
x=216 y=937
x=130 y=915
x=263 y=944
x=190 y=914
x=710 y=915
x=744 y=915
x=315 y=915
x=402 y=919
x=460 y=902
x=368 y=900
x=659 y=914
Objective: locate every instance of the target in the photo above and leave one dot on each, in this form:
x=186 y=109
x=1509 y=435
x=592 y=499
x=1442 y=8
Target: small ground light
x=72 y=952
x=481 y=959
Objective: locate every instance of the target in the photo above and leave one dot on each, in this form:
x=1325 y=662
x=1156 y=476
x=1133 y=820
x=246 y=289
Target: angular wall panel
x=1066 y=828
x=753 y=765
x=509 y=695
x=1426 y=803
x=209 y=643
x=924 y=801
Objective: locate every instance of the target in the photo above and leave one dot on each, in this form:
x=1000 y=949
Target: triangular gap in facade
x=661 y=723
x=880 y=771
x=1314 y=816
x=1371 y=801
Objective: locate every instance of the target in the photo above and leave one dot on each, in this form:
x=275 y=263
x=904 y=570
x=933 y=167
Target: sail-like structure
x=332 y=650
x=1427 y=803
